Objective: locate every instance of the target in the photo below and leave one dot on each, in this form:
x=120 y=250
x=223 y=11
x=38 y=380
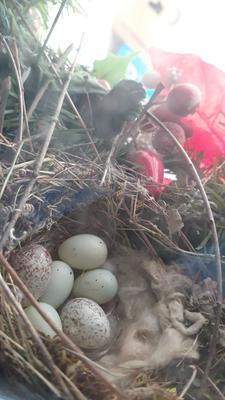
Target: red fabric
x=207 y=123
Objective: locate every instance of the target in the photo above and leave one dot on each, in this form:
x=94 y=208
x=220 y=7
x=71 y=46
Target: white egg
x=83 y=251
x=85 y=322
x=39 y=323
x=99 y=285
x=60 y=284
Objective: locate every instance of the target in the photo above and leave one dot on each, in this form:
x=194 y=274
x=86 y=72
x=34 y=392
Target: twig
x=5 y=89
x=16 y=54
x=20 y=89
x=152 y=392
x=213 y=385
x=39 y=160
x=215 y=240
x=79 y=395
x=189 y=383
x=31 y=162
x=65 y=339
x=45 y=86
x=111 y=155
x=68 y=97
x=46 y=354
x=51 y=30
x=35 y=371
x=143 y=112
x=11 y=170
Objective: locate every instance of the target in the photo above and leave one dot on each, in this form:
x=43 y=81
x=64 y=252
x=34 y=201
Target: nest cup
x=115 y=213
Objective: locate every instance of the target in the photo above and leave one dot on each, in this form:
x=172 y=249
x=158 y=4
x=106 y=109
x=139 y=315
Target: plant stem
x=51 y=30
x=215 y=240
x=65 y=339
x=68 y=97
x=4 y=93
x=45 y=86
x=39 y=160
x=20 y=88
x=11 y=169
x=49 y=361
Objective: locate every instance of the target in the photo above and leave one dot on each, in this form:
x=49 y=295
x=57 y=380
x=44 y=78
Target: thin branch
x=68 y=97
x=28 y=163
x=65 y=339
x=51 y=30
x=75 y=110
x=4 y=93
x=45 y=86
x=79 y=395
x=189 y=383
x=215 y=240
x=35 y=335
x=6 y=180
x=39 y=160
x=20 y=89
x=112 y=152
x=215 y=387
x=26 y=125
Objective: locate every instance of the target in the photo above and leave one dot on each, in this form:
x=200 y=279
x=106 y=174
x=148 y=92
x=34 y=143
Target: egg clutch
x=70 y=290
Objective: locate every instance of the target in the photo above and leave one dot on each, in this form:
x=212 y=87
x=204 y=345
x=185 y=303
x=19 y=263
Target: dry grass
x=49 y=193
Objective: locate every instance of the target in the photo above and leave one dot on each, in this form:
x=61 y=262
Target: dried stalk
x=45 y=86
x=189 y=383
x=70 y=101
x=39 y=160
x=215 y=240
x=20 y=88
x=152 y=392
x=34 y=333
x=29 y=163
x=111 y=155
x=51 y=30
x=79 y=395
x=11 y=169
x=65 y=339
x=26 y=125
x=215 y=387
x=4 y=93
x=75 y=110
x=34 y=371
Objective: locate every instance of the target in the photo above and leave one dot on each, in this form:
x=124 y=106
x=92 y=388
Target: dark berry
x=163 y=143
x=183 y=99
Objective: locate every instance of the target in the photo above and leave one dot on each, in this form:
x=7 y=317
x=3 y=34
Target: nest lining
x=115 y=214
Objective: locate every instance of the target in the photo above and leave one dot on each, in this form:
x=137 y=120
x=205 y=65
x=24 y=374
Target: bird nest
x=167 y=319
x=159 y=312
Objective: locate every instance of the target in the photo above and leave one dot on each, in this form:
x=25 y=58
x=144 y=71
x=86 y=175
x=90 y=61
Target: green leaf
x=83 y=82
x=112 y=68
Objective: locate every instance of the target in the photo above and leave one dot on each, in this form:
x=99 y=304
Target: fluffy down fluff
x=152 y=318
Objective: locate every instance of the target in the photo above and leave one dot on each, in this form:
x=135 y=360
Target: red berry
x=183 y=99
x=151 y=79
x=151 y=166
x=163 y=143
x=162 y=112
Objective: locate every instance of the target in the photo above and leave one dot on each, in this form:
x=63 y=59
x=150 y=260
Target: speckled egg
x=83 y=251
x=38 y=321
x=85 y=322
x=60 y=284
x=99 y=285
x=33 y=264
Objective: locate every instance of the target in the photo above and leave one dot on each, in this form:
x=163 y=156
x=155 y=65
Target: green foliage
x=84 y=82
x=7 y=9
x=112 y=68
